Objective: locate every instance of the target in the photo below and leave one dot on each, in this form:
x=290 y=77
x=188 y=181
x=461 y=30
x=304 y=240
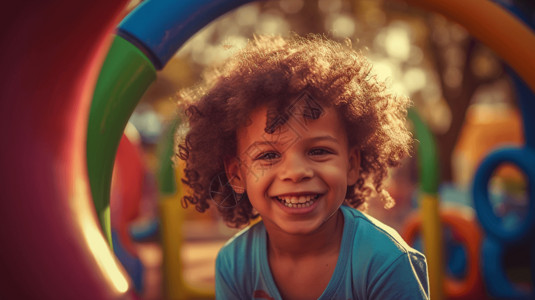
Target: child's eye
x=267 y=156
x=319 y=151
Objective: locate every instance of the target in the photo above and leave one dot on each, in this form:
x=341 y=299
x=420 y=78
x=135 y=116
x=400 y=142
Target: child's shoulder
x=244 y=242
x=381 y=253
x=373 y=234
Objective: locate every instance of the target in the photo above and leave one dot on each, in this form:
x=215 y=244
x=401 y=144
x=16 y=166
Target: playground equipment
x=464 y=227
x=127 y=191
x=171 y=191
x=497 y=282
x=125 y=75
x=56 y=250
x=501 y=239
x=52 y=246
x=429 y=203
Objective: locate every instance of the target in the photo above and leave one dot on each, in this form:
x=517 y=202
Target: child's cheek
x=255 y=170
x=334 y=174
x=261 y=168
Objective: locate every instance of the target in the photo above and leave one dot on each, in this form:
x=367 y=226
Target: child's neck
x=325 y=239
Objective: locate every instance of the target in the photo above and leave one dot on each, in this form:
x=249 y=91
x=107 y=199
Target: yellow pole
x=432 y=239
x=171 y=219
x=172 y=223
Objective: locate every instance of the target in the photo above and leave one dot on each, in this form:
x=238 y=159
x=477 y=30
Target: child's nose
x=295 y=169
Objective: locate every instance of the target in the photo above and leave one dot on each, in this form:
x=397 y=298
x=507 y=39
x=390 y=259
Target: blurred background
x=460 y=89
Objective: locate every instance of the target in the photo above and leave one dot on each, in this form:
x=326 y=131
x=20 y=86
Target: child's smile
x=298 y=200
x=297 y=177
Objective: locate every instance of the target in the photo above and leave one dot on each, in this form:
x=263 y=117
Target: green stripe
x=125 y=76
x=166 y=171
x=427 y=155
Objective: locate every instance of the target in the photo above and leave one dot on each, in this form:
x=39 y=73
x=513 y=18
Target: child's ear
x=354 y=166
x=234 y=176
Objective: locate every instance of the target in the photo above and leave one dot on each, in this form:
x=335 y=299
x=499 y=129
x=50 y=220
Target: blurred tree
x=301 y=20
x=462 y=65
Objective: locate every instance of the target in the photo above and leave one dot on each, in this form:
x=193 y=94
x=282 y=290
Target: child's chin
x=300 y=228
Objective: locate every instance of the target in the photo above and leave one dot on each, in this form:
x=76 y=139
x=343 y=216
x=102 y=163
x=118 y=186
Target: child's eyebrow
x=323 y=138
x=278 y=142
x=262 y=143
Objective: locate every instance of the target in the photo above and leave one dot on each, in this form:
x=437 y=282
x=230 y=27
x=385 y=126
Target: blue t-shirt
x=374 y=263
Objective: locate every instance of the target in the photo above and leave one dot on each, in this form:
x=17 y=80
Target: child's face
x=297 y=177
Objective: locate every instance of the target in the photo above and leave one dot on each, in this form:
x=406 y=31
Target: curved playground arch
x=54 y=248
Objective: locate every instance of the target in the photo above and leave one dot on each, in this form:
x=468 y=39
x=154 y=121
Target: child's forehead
x=295 y=126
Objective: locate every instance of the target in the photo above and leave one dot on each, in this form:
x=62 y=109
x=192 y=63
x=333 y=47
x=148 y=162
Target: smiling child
x=298 y=132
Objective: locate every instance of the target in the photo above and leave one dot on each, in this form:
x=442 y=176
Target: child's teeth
x=299 y=201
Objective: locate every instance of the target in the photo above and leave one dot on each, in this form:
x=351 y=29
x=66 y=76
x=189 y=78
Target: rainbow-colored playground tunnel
x=78 y=36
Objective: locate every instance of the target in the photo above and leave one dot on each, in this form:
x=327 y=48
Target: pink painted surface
x=50 y=56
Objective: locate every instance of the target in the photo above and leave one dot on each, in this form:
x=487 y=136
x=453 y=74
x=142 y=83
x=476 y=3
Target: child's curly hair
x=272 y=71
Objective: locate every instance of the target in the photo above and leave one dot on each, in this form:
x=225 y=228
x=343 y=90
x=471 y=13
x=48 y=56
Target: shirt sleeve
x=225 y=287
x=406 y=278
